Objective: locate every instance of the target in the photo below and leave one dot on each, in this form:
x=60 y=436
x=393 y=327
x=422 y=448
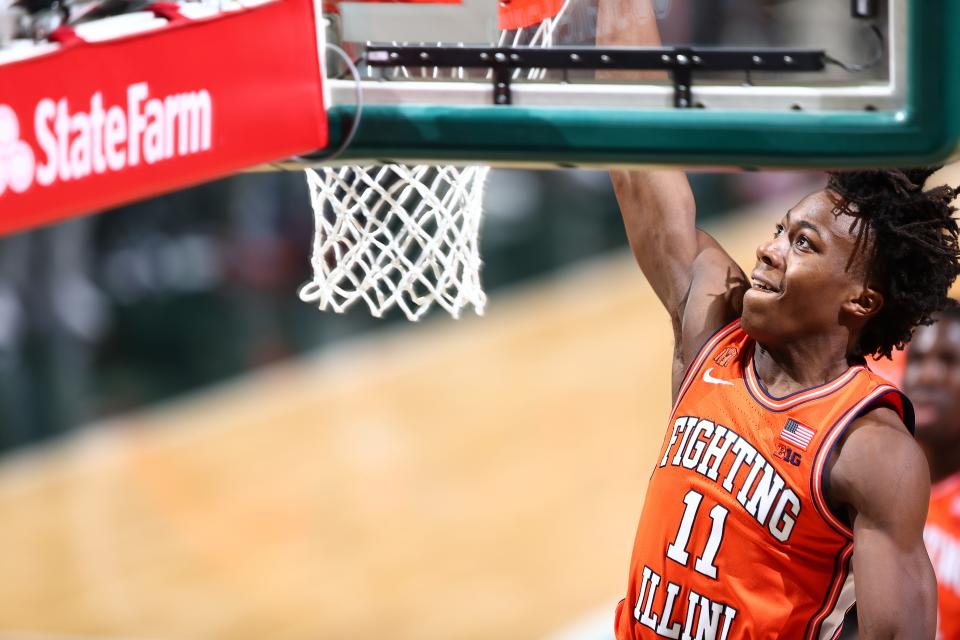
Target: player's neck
x=799 y=366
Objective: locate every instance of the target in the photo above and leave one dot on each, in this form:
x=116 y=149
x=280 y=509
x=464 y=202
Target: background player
x=849 y=272
x=932 y=381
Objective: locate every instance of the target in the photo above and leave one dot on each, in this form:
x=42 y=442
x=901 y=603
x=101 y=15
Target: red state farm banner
x=97 y=124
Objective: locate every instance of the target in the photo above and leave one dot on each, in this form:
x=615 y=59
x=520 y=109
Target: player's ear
x=865 y=304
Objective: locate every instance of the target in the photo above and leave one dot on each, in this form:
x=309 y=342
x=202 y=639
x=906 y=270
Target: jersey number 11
x=677 y=550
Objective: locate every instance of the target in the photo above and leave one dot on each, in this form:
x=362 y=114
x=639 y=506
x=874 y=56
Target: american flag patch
x=797 y=434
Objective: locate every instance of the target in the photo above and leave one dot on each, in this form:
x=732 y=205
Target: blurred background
x=109 y=313
x=188 y=451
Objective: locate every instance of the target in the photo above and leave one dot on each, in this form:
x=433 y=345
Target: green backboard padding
x=927 y=130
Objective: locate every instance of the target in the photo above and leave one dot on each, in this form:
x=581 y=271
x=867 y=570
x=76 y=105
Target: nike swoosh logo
x=709 y=378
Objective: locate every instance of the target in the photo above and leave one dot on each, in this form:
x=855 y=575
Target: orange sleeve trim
x=877 y=396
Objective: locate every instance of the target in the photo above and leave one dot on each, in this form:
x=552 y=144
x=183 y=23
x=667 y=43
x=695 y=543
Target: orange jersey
x=736 y=540
x=942 y=537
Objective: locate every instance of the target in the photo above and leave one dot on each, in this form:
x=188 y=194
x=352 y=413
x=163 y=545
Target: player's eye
x=777 y=230
x=804 y=242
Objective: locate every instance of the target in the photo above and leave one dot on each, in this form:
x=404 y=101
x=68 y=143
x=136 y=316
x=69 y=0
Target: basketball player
x=787 y=467
x=932 y=381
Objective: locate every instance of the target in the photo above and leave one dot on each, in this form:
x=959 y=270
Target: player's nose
x=769 y=254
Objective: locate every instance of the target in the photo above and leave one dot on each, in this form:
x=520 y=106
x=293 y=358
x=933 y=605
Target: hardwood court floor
x=479 y=479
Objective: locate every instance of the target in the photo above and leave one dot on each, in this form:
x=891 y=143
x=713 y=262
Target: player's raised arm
x=697 y=282
x=881 y=476
x=657 y=206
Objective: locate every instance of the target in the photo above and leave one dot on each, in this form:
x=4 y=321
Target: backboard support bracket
x=681 y=62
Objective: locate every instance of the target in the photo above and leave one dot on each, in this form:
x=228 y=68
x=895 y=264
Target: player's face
x=805 y=275
x=932 y=381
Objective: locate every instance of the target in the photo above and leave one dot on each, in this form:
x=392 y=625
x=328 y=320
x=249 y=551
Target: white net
x=395 y=235
x=405 y=236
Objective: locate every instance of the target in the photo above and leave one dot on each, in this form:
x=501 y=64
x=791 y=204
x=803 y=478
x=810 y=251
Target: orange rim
x=519 y=14
x=514 y=14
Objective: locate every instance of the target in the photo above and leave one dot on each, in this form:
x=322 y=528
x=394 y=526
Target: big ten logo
x=786 y=453
x=16 y=157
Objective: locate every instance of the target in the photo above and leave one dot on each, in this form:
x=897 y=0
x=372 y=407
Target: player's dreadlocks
x=912 y=243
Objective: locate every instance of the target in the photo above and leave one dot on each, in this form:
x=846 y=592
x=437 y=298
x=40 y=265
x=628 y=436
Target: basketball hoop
x=408 y=236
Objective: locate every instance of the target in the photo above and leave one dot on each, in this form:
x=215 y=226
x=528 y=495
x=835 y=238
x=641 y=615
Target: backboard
x=751 y=84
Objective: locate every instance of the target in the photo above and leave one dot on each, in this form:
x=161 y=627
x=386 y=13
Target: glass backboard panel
x=885 y=93
x=813 y=24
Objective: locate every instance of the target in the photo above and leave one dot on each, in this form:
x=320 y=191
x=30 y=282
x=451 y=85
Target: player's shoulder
x=877 y=461
x=877 y=435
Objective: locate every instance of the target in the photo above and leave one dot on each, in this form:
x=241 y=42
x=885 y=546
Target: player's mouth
x=759 y=283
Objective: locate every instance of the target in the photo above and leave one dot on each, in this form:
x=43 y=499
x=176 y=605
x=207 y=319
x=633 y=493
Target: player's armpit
x=713 y=299
x=715 y=296
x=880 y=476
